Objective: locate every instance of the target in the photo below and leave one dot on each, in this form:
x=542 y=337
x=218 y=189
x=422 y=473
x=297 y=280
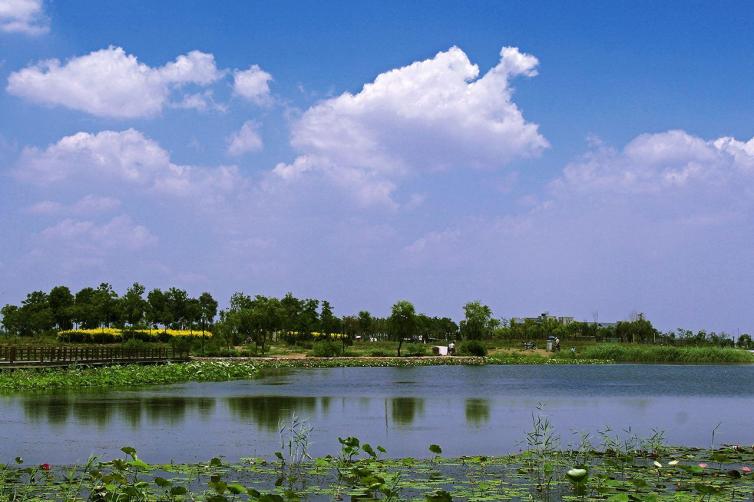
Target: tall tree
x=327 y=320
x=106 y=305
x=133 y=305
x=366 y=324
x=85 y=310
x=158 y=311
x=11 y=320
x=35 y=314
x=61 y=304
x=208 y=307
x=177 y=300
x=478 y=322
x=403 y=321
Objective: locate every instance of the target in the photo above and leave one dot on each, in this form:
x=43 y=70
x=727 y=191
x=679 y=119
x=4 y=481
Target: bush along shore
x=203 y=370
x=620 y=470
x=634 y=353
x=224 y=369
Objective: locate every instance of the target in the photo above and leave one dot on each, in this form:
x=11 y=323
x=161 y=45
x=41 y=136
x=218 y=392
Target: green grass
x=215 y=370
x=237 y=369
x=626 y=353
x=125 y=376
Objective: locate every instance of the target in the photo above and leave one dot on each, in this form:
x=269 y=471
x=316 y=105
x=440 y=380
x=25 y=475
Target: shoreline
x=217 y=369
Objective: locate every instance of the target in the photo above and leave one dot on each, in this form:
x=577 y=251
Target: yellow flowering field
x=120 y=332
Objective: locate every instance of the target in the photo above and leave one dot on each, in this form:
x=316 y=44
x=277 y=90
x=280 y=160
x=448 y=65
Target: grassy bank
x=125 y=376
x=360 y=473
x=204 y=370
x=223 y=369
x=626 y=353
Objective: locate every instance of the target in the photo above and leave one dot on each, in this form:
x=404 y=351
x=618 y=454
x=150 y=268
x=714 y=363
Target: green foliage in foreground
x=661 y=354
x=359 y=472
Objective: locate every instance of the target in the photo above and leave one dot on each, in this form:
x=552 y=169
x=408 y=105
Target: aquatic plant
x=360 y=473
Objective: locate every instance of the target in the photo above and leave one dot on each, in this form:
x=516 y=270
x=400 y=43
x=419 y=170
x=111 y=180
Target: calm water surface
x=467 y=410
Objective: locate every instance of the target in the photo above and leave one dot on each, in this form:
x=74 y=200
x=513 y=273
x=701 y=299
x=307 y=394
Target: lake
x=468 y=410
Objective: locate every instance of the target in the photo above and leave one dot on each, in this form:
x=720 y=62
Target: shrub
x=134 y=343
x=415 y=350
x=472 y=348
x=378 y=353
x=326 y=348
x=665 y=354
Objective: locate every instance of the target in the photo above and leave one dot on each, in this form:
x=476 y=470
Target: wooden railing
x=22 y=355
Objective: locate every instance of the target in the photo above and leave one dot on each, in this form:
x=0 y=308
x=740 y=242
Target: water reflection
x=268 y=411
x=477 y=411
x=484 y=410
x=59 y=410
x=404 y=410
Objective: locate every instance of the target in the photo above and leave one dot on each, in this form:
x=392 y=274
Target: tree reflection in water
x=477 y=411
x=267 y=412
x=404 y=410
x=59 y=410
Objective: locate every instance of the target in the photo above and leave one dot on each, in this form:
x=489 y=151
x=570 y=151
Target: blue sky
x=598 y=166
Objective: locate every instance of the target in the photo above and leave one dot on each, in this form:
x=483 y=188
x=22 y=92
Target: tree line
x=91 y=308
x=263 y=319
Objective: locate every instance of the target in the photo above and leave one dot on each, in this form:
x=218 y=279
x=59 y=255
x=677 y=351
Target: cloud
x=118 y=157
x=87 y=205
x=663 y=164
x=120 y=233
x=431 y=115
x=200 y=101
x=252 y=84
x=111 y=83
x=23 y=16
x=245 y=140
x=663 y=225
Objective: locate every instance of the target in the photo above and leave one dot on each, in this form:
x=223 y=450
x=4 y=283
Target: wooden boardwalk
x=20 y=356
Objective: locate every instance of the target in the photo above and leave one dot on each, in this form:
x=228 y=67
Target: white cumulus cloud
x=23 y=16
x=110 y=82
x=117 y=157
x=252 y=84
x=245 y=140
x=431 y=115
x=662 y=163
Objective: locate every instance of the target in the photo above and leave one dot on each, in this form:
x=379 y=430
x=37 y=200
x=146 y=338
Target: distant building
x=544 y=316
x=562 y=320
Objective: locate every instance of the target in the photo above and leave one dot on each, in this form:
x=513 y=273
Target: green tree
x=402 y=321
x=106 y=305
x=366 y=324
x=478 y=322
x=208 y=306
x=308 y=319
x=158 y=311
x=177 y=300
x=640 y=330
x=61 y=305
x=35 y=314
x=327 y=320
x=11 y=320
x=744 y=341
x=85 y=310
x=133 y=305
